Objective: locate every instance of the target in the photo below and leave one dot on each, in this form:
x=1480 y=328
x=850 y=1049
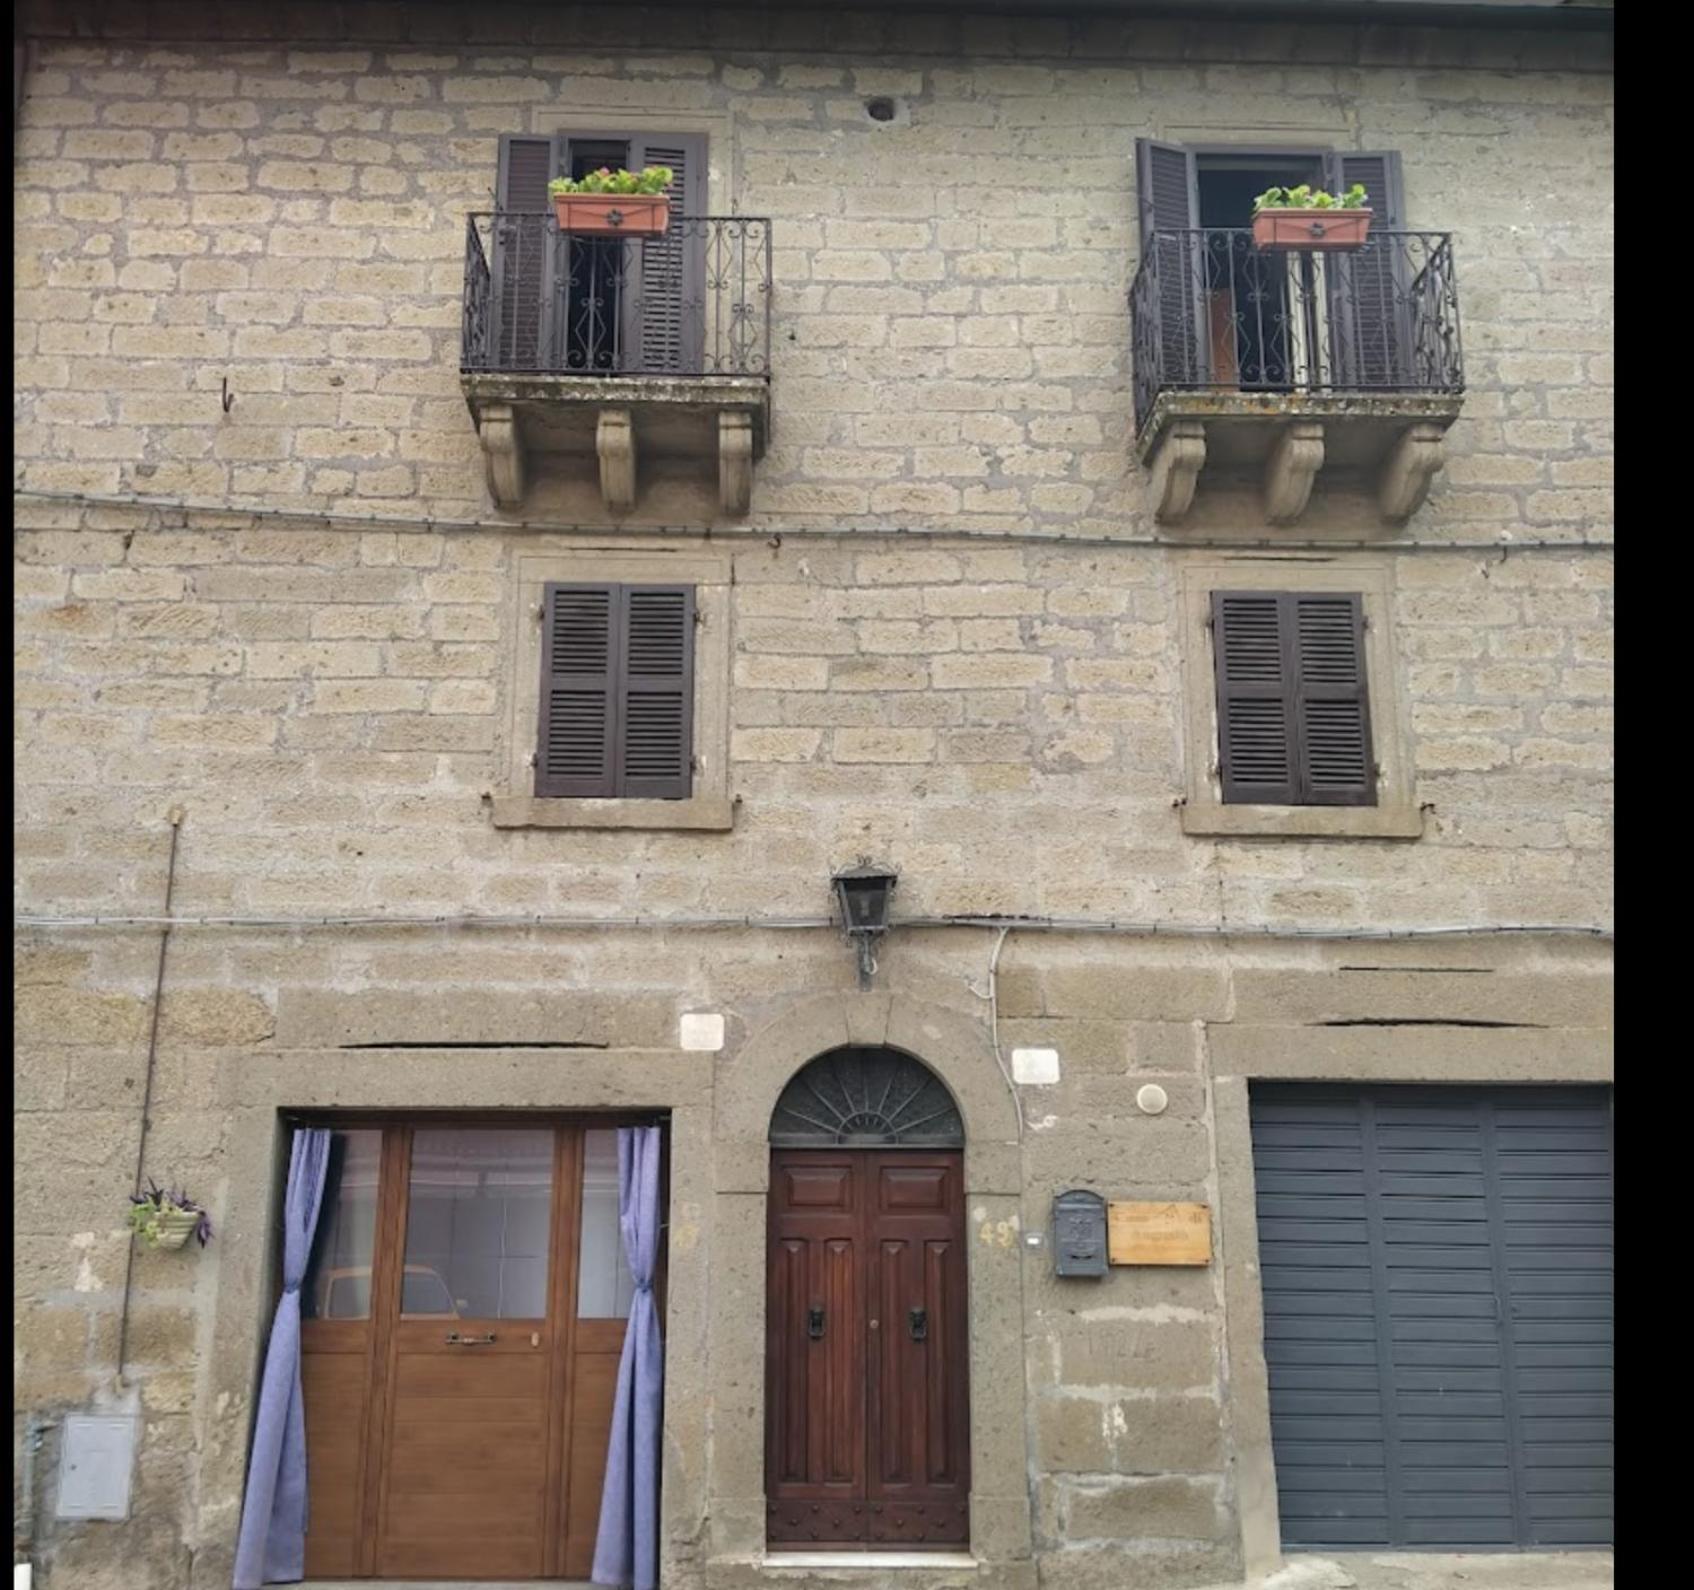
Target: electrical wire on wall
x=175 y=818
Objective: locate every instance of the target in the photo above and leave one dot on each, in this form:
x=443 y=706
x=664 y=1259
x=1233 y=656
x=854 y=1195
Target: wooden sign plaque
x=1159 y=1233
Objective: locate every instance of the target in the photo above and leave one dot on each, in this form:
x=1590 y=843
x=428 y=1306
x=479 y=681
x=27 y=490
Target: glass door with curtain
x=464 y=1314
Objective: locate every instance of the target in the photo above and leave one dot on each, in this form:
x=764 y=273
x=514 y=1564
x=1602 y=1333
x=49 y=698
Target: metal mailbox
x=1079 y=1233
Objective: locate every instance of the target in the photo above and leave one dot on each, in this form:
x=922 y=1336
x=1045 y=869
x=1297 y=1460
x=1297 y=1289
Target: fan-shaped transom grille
x=866 y=1098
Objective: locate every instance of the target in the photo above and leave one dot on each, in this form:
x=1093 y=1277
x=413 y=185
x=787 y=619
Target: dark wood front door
x=464 y=1312
x=867 y=1382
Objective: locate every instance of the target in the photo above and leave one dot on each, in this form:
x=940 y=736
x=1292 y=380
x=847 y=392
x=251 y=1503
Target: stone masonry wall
x=951 y=342
x=996 y=714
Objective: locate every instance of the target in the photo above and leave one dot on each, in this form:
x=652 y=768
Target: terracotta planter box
x=612 y=214
x=1315 y=229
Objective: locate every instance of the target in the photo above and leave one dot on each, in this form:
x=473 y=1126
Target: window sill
x=712 y=813
x=1303 y=822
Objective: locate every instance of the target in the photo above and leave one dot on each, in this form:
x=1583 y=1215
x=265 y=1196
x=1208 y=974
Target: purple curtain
x=272 y=1545
x=626 y=1550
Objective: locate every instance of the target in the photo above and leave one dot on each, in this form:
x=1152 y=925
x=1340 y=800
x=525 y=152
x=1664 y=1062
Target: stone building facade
x=266 y=603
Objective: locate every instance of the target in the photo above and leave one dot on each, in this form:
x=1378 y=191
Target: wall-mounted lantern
x=865 y=893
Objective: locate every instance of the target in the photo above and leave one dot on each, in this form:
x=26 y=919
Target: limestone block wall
x=950 y=338
x=994 y=709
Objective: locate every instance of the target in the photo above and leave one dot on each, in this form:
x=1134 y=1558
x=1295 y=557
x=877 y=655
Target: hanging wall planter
x=167 y=1219
x=608 y=203
x=1301 y=218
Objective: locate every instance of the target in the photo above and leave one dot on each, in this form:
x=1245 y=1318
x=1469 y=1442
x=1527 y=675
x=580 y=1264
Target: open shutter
x=1168 y=200
x=656 y=692
x=1256 y=758
x=1333 y=707
x=667 y=328
x=1370 y=336
x=523 y=265
x=576 y=757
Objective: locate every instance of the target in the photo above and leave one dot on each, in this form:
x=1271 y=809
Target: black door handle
x=814 y=1323
x=918 y=1320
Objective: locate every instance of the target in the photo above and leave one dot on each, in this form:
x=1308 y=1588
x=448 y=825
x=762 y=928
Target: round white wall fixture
x=1152 y=1099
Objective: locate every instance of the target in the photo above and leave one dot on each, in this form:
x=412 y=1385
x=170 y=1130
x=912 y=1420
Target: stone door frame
x=959 y=1051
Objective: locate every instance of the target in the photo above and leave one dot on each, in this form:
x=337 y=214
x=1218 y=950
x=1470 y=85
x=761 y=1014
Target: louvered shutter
x=1332 y=709
x=667 y=325
x=1168 y=202
x=523 y=264
x=656 y=692
x=1255 y=720
x=578 y=717
x=1370 y=336
x=1293 y=701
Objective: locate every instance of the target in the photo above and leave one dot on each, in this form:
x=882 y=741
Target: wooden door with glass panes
x=463 y=1316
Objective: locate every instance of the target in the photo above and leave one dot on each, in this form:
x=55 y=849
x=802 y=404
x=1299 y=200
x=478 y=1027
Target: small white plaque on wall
x=1035 y=1067
x=702 y=1030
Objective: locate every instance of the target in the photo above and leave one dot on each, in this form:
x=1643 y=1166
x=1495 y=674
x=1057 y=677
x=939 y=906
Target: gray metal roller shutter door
x=1437 y=1273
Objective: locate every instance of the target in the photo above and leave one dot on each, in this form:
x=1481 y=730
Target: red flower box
x=613 y=214
x=1314 y=229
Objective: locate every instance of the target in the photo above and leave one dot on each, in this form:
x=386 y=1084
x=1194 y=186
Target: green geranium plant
x=1306 y=197
x=650 y=180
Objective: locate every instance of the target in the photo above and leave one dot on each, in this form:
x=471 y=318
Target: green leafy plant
x=146 y=1210
x=1306 y=197
x=651 y=180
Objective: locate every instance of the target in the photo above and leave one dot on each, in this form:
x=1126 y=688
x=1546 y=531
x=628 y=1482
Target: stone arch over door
x=750 y=1080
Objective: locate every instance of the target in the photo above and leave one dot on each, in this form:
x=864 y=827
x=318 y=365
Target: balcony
x=1288 y=363
x=616 y=348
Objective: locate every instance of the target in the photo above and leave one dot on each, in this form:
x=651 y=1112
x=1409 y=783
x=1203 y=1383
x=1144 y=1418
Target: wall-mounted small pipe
x=175 y=817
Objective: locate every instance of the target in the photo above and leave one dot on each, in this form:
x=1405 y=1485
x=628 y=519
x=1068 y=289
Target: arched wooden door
x=867 y=1377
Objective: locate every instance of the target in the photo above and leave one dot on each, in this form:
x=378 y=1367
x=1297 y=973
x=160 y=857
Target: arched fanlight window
x=866 y=1098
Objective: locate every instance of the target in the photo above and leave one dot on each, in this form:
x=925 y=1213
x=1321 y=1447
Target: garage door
x=1437 y=1271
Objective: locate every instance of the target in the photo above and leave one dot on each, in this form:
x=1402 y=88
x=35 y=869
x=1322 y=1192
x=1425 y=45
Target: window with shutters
x=1293 y=717
x=620 y=701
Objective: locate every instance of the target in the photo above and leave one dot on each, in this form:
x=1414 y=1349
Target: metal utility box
x=96 y=1462
x=1079 y=1233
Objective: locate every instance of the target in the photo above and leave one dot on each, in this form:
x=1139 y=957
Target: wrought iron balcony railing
x=1210 y=312
x=695 y=301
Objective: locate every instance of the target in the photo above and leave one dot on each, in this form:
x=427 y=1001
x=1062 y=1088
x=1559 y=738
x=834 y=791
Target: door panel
x=466 y=1306
x=815 y=1405
x=867 y=1437
x=1437 y=1288
x=918 y=1482
x=472 y=1358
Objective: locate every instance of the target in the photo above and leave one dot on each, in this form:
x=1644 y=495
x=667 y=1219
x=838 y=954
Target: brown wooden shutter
x=1293 y=705
x=668 y=294
x=1168 y=201
x=1255 y=721
x=578 y=717
x=656 y=691
x=617 y=693
x=1333 y=722
x=1371 y=335
x=523 y=264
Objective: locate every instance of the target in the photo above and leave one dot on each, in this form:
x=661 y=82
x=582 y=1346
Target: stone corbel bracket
x=1411 y=465
x=1294 y=461
x=614 y=441
x=502 y=454
x=735 y=462
x=1175 y=469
